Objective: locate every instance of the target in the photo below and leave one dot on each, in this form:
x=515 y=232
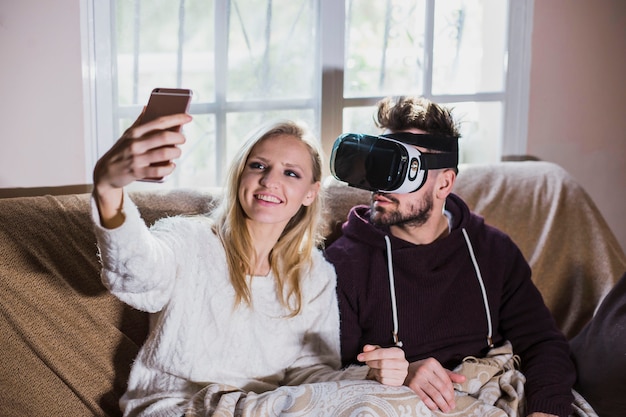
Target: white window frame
x=99 y=91
x=515 y=97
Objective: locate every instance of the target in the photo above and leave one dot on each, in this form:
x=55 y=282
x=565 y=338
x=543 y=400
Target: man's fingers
x=388 y=376
x=456 y=378
x=370 y=348
x=432 y=383
x=433 y=397
x=379 y=353
x=389 y=364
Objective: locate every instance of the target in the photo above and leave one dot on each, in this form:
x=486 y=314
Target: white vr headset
x=389 y=163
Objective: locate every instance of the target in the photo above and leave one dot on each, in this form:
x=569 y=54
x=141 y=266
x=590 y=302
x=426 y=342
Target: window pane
x=360 y=120
x=469 y=46
x=480 y=125
x=272 y=49
x=481 y=129
x=240 y=125
x=197 y=165
x=384 y=48
x=198 y=56
x=149 y=35
x=253 y=56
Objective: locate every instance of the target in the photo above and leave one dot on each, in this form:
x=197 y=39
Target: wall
x=41 y=111
x=576 y=96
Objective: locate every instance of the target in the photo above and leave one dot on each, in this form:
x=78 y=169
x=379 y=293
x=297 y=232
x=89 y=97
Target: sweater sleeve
x=526 y=321
x=319 y=360
x=137 y=267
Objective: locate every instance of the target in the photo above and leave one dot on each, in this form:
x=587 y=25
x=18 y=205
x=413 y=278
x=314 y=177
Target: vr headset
x=389 y=163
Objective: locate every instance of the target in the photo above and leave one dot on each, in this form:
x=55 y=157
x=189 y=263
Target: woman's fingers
x=162 y=123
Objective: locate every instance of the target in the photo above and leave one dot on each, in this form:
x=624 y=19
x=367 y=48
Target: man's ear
x=309 y=198
x=445 y=183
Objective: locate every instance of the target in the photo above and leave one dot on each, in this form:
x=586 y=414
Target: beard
x=416 y=215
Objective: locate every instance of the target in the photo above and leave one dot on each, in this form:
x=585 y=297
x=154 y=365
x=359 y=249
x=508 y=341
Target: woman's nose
x=269 y=179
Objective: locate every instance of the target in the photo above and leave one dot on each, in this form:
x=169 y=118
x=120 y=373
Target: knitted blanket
x=494 y=387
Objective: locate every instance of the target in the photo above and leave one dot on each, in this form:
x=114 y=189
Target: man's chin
x=378 y=216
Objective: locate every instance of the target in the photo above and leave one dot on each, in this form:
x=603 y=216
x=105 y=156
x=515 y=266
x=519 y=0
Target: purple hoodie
x=442 y=297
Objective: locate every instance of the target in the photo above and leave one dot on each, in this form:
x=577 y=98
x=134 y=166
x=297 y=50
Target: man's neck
x=437 y=227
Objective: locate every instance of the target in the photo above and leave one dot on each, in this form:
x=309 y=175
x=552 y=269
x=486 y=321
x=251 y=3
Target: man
x=419 y=271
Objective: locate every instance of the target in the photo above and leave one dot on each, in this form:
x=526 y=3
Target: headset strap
x=428 y=141
x=439 y=160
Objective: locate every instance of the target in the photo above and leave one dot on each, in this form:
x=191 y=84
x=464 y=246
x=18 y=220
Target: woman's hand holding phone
x=164 y=102
x=145 y=150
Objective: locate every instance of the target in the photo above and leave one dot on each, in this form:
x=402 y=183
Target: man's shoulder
x=345 y=251
x=344 y=244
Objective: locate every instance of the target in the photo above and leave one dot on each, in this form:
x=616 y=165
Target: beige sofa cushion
x=67 y=344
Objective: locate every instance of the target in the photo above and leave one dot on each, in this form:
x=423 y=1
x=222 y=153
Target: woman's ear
x=445 y=183
x=310 y=197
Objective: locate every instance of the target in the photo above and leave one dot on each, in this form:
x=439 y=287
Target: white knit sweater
x=177 y=271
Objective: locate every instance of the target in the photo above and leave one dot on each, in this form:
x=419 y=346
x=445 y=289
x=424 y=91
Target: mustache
x=383 y=196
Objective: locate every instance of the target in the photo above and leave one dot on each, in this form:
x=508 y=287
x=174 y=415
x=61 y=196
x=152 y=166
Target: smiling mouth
x=268 y=198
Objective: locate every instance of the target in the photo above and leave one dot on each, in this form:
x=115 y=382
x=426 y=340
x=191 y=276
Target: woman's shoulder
x=187 y=228
x=319 y=259
x=322 y=273
x=172 y=223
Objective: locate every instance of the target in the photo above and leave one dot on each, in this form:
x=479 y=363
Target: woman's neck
x=263 y=239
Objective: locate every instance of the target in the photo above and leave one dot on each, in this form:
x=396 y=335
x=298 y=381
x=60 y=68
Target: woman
x=243 y=303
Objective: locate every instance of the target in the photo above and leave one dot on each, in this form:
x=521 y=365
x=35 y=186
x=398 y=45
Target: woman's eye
x=256 y=165
x=293 y=174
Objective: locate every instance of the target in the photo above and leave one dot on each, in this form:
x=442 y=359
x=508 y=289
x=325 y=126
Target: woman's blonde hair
x=291 y=256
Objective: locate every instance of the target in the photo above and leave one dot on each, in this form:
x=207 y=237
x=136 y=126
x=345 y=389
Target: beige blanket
x=494 y=387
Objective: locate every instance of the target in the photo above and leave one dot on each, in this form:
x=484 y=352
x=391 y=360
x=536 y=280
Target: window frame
x=100 y=95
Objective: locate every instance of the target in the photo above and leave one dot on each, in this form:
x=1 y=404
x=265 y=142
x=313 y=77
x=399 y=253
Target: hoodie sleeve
x=347 y=268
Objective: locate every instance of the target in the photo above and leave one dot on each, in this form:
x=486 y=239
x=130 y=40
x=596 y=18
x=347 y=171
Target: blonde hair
x=292 y=254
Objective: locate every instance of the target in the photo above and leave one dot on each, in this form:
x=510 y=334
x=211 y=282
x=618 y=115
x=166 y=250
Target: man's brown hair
x=403 y=113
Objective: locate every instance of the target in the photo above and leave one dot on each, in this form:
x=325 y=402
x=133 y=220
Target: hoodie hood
x=400 y=253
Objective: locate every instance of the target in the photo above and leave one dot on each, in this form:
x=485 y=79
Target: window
x=326 y=62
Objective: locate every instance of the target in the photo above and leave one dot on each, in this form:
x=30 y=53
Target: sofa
x=67 y=345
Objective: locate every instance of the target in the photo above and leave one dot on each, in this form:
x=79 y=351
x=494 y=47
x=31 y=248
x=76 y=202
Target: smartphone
x=164 y=102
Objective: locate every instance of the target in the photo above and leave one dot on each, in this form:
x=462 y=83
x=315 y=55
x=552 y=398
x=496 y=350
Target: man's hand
x=387 y=365
x=433 y=384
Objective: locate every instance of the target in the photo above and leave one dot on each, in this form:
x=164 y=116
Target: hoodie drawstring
x=392 y=289
x=482 y=288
